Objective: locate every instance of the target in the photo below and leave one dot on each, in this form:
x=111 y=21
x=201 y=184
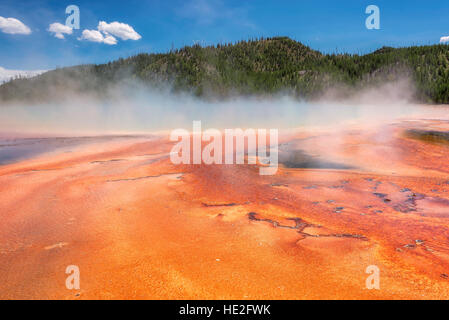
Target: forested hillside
x=254 y=67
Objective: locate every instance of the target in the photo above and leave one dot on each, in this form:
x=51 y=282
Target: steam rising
x=137 y=109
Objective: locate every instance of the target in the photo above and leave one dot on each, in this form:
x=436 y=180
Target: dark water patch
x=107 y=161
x=276 y=184
x=380 y=195
x=336 y=187
x=218 y=204
x=298 y=159
x=429 y=136
x=13 y=150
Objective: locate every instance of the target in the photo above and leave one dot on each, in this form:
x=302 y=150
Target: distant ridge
x=264 y=66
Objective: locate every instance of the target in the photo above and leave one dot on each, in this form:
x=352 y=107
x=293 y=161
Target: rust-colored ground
x=140 y=227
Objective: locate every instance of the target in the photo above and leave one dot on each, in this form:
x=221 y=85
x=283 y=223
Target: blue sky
x=325 y=25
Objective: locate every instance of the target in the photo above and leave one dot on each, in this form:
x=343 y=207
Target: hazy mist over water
x=141 y=110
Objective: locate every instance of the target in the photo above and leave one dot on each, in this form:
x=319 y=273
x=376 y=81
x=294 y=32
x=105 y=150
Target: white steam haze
x=141 y=110
x=6 y=74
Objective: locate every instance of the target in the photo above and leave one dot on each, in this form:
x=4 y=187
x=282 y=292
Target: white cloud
x=120 y=30
x=13 y=26
x=59 y=30
x=96 y=36
x=91 y=35
x=107 y=32
x=110 y=40
x=444 y=39
x=6 y=75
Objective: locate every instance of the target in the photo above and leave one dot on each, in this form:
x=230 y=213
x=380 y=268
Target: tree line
x=263 y=66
